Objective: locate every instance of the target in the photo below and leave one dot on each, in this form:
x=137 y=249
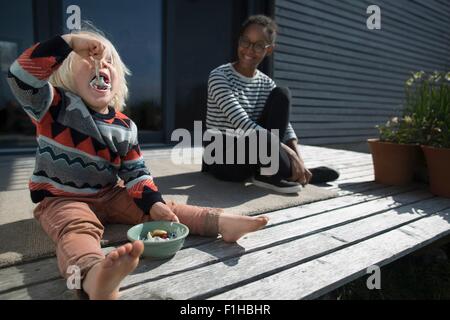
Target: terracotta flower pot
x=438 y=161
x=394 y=163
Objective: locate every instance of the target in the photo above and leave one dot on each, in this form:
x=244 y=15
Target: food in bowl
x=158 y=235
x=156 y=247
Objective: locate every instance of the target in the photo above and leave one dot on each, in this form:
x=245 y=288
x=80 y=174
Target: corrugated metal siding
x=345 y=78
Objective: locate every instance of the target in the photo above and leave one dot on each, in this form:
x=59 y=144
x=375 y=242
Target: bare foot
x=233 y=227
x=103 y=280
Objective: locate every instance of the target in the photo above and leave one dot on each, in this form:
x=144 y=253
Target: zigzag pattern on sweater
x=70 y=162
x=69 y=184
x=138 y=166
x=137 y=174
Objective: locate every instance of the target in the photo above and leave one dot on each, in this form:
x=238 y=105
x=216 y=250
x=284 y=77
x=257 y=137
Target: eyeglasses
x=258 y=47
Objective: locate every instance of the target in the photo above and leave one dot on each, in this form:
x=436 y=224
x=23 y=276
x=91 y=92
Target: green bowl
x=162 y=249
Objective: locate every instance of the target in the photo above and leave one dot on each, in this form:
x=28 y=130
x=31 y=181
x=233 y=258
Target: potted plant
x=397 y=156
x=435 y=130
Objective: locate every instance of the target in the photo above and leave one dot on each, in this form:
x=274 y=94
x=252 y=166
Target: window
x=135 y=29
x=199 y=48
x=16 y=34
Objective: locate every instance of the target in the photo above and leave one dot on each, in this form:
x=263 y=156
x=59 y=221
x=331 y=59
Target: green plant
x=400 y=130
x=428 y=104
x=426 y=116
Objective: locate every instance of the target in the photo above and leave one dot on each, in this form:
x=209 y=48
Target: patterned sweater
x=80 y=152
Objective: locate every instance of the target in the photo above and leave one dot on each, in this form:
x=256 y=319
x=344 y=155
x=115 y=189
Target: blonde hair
x=63 y=76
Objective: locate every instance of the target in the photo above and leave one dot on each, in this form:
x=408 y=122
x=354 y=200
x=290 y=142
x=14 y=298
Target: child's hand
x=161 y=212
x=85 y=45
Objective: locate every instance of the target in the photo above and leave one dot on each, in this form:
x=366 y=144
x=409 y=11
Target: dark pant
x=275 y=116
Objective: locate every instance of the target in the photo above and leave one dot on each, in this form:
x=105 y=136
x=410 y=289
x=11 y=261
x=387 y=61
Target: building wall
x=344 y=78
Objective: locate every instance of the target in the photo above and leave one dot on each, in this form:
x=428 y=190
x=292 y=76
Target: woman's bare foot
x=103 y=279
x=233 y=227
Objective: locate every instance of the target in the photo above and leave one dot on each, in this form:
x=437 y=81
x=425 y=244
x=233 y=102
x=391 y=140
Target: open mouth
x=247 y=58
x=103 y=83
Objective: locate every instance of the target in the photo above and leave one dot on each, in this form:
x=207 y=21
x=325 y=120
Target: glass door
x=136 y=30
x=16 y=34
x=203 y=36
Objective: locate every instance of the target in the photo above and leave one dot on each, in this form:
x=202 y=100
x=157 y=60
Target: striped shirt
x=80 y=152
x=236 y=101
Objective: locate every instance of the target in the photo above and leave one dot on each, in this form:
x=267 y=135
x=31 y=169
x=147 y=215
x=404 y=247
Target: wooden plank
x=286 y=47
x=341 y=162
x=27 y=280
x=310 y=223
x=390 y=39
x=344 y=169
x=309 y=150
x=355 y=178
x=344 y=22
x=45 y=270
x=301 y=39
x=350 y=80
x=238 y=270
x=338 y=158
x=442 y=6
x=301 y=117
x=302 y=123
x=305 y=134
x=324 y=153
x=404 y=24
x=436 y=21
x=339 y=103
x=328 y=33
x=350 y=11
x=298 y=53
x=357 y=187
x=286 y=62
x=16 y=277
x=340 y=203
x=318 y=152
x=344 y=158
x=338 y=74
x=189 y=258
x=381 y=114
x=317 y=277
x=366 y=172
x=336 y=140
x=327 y=95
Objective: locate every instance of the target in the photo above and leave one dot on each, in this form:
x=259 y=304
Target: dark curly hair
x=269 y=24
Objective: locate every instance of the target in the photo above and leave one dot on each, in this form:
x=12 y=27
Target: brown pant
x=76 y=224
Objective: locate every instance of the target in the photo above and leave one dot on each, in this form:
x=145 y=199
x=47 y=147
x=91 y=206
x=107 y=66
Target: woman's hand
x=85 y=45
x=161 y=212
x=300 y=173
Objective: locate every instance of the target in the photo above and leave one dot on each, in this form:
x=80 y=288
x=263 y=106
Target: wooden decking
x=303 y=253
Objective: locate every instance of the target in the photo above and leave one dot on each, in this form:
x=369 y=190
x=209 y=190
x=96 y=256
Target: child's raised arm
x=28 y=75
